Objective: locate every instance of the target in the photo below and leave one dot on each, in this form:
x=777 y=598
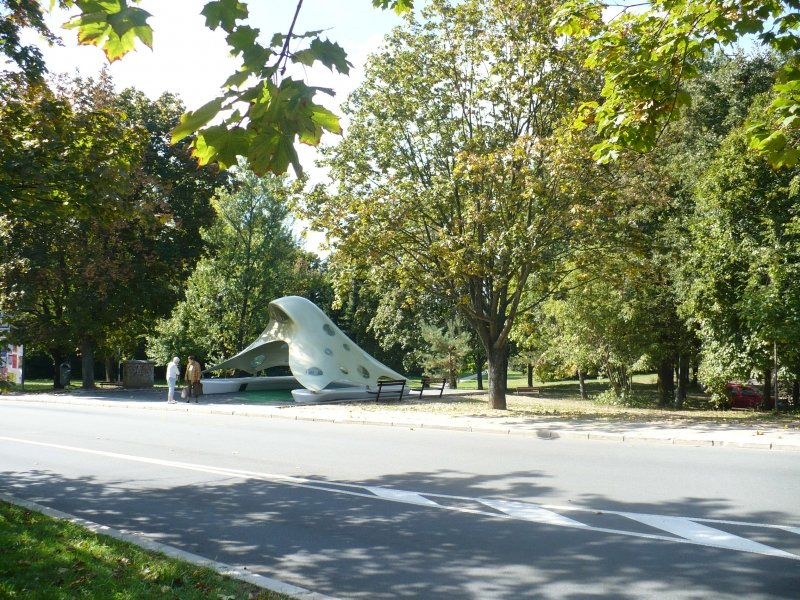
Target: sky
x=193 y=62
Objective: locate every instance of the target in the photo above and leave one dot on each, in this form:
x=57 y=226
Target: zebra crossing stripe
x=530 y=512
x=401 y=496
x=704 y=535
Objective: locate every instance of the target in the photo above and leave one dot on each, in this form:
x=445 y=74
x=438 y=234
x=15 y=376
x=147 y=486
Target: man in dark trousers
x=194 y=389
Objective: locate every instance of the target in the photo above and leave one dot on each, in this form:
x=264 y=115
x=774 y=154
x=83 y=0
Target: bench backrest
x=391 y=389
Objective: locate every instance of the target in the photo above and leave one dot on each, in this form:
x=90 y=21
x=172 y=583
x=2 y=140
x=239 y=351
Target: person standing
x=192 y=377
x=173 y=372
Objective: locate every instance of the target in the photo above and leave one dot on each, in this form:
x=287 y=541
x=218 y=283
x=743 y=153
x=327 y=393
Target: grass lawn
x=562 y=399
x=46 y=558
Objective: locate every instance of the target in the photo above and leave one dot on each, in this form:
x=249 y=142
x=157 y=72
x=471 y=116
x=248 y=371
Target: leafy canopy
x=647 y=55
x=260 y=114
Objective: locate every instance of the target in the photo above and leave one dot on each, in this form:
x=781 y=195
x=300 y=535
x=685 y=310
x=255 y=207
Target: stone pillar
x=137 y=373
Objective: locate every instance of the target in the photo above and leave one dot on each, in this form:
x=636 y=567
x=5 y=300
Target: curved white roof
x=299 y=335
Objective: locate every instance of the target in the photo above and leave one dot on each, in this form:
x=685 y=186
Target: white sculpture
x=316 y=351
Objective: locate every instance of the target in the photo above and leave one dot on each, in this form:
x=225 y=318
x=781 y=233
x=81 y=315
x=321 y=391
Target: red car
x=743 y=396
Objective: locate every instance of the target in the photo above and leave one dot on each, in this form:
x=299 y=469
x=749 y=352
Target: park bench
x=109 y=384
x=390 y=390
x=528 y=391
x=433 y=384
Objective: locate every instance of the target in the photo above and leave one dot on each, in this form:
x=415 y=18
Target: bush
x=627 y=399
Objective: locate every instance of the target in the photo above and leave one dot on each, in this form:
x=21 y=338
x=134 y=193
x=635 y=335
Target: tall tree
x=744 y=297
x=253 y=258
x=448 y=183
x=102 y=264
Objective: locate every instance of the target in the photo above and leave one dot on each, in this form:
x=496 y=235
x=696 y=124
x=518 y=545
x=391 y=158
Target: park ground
x=562 y=399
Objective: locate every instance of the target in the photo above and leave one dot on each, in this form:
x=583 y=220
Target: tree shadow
x=336 y=542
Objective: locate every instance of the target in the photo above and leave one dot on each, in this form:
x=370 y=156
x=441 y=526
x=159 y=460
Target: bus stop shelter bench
x=390 y=390
x=429 y=383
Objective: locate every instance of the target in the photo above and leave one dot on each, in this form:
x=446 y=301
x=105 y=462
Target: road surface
x=358 y=511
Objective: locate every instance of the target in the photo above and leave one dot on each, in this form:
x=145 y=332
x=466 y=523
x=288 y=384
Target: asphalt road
x=356 y=511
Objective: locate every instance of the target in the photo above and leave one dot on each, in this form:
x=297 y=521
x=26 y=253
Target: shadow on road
x=338 y=543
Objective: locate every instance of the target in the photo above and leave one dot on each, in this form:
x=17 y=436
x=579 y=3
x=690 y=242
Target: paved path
x=739 y=435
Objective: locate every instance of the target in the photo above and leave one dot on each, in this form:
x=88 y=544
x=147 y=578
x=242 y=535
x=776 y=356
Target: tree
x=94 y=277
x=745 y=260
x=450 y=180
x=447 y=349
x=260 y=115
x=252 y=259
x=646 y=57
x=171 y=176
x=74 y=264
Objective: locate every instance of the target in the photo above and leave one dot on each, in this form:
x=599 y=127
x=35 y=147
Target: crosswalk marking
x=704 y=535
x=530 y=512
x=401 y=496
x=687 y=530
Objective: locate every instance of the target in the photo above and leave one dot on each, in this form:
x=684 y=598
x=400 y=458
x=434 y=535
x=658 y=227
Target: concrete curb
x=142 y=541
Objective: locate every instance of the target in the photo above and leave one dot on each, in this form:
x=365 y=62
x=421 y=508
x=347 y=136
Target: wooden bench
x=429 y=383
x=390 y=390
x=109 y=384
x=528 y=391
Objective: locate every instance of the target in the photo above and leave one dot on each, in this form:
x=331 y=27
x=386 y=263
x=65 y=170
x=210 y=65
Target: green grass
x=561 y=400
x=51 y=559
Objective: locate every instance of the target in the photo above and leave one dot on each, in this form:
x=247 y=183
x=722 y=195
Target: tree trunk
x=58 y=358
x=87 y=362
x=666 y=383
x=479 y=369
x=768 y=389
x=453 y=380
x=530 y=375
x=582 y=383
x=109 y=368
x=796 y=393
x=683 y=379
x=497 y=380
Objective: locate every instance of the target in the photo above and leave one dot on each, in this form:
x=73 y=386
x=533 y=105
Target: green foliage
x=101 y=214
x=252 y=260
x=112 y=25
x=18 y=16
x=441 y=195
x=446 y=350
x=744 y=264
x=647 y=56
x=627 y=398
x=260 y=115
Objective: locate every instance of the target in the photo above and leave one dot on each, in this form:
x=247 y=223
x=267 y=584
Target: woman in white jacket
x=173 y=370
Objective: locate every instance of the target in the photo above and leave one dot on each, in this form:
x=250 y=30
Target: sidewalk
x=735 y=435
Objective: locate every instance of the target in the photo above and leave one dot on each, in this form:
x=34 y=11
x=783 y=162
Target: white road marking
x=704 y=535
x=401 y=496
x=531 y=512
x=687 y=529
